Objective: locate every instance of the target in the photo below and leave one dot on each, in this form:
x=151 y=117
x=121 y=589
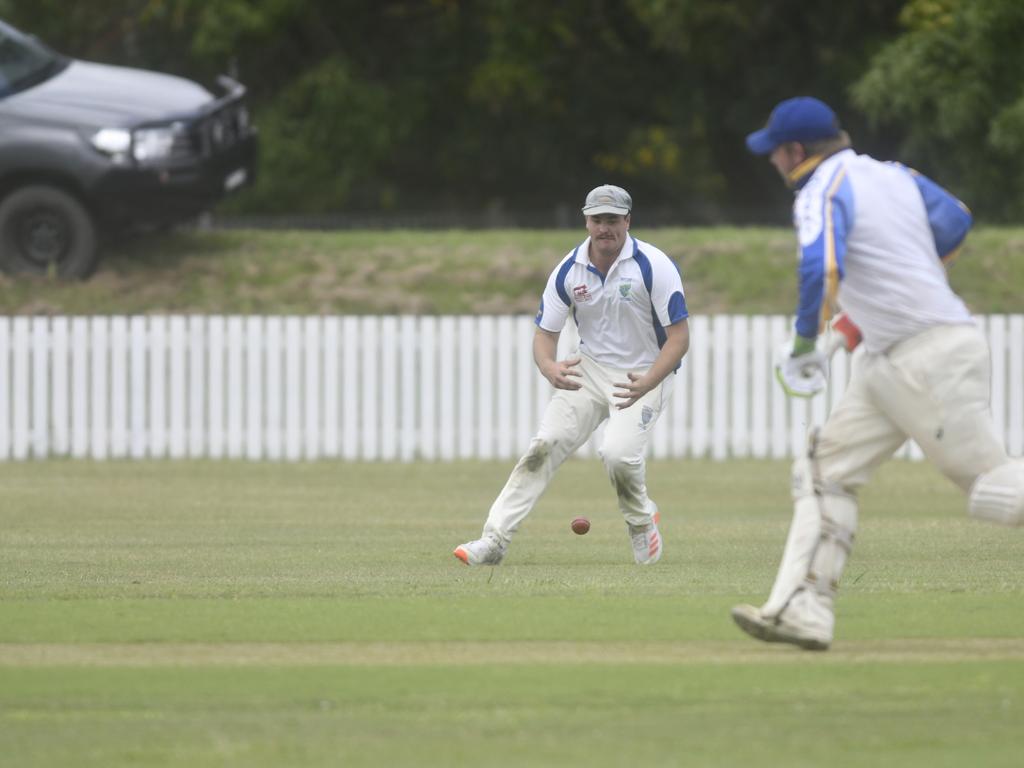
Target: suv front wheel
x=44 y=230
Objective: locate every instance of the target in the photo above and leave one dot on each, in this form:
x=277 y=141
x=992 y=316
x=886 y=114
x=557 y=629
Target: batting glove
x=800 y=368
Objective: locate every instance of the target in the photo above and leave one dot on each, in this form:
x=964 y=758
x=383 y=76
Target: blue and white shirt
x=873 y=238
x=622 y=315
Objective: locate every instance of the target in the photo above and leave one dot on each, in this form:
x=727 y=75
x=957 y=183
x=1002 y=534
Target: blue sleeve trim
x=676 y=304
x=949 y=219
x=646 y=271
x=677 y=308
x=647 y=274
x=676 y=312
x=560 y=279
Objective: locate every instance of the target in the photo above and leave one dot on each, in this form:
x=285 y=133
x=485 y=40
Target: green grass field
x=415 y=272
x=229 y=614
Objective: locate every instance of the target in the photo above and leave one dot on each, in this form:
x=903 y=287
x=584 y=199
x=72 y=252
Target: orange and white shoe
x=485 y=551
x=646 y=543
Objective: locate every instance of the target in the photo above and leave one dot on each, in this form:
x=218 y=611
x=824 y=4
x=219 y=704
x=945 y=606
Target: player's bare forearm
x=562 y=373
x=677 y=343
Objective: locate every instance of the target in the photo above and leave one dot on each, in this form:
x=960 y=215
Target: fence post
x=429 y=392
x=60 y=410
x=313 y=417
x=388 y=389
x=99 y=362
x=1015 y=386
x=178 y=355
x=41 y=389
x=369 y=406
x=409 y=344
x=254 y=447
x=215 y=394
x=198 y=390
x=699 y=348
x=137 y=347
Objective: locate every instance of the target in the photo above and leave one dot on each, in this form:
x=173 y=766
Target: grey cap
x=608 y=199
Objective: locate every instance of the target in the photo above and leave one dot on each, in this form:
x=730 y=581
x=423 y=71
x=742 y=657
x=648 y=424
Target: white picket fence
x=386 y=388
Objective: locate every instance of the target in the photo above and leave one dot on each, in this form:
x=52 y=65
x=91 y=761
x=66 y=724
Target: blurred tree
x=733 y=60
x=953 y=88
x=500 y=104
x=127 y=32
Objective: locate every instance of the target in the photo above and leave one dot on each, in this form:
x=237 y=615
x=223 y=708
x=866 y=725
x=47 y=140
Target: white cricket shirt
x=869 y=242
x=621 y=316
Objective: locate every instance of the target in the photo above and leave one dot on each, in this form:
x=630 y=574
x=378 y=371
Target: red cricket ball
x=580 y=525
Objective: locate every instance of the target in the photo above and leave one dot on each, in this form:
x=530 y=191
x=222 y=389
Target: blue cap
x=802 y=118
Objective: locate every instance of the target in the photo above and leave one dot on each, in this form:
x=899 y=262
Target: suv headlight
x=152 y=145
x=116 y=142
x=148 y=146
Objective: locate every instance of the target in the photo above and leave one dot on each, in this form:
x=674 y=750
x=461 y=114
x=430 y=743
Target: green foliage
x=324 y=141
x=733 y=60
x=467 y=105
x=440 y=105
x=954 y=86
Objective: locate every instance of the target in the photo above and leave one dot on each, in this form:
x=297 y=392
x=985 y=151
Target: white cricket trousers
x=933 y=387
x=569 y=420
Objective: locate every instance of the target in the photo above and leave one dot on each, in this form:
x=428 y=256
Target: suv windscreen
x=24 y=61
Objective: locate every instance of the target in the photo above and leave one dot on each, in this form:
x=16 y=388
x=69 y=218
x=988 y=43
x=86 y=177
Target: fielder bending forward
x=626 y=297
x=873 y=236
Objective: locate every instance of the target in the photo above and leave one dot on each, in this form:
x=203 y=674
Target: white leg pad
x=804 y=534
x=998 y=495
x=819 y=542
x=838 y=527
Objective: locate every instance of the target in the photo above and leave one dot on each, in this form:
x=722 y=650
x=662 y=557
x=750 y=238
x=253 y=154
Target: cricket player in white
x=873 y=238
x=626 y=298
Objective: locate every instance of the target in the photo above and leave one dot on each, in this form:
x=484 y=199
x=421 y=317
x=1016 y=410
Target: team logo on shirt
x=646 y=414
x=580 y=294
x=625 y=289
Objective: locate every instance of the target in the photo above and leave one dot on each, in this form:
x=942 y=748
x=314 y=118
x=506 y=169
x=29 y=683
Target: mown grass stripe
x=892 y=651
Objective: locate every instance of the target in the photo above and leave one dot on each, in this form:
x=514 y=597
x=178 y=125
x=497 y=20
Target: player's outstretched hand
x=632 y=390
x=563 y=373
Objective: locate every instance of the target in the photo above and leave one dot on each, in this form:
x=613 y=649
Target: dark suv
x=89 y=149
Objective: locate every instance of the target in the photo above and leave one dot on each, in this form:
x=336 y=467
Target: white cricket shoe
x=485 y=551
x=646 y=543
x=808 y=629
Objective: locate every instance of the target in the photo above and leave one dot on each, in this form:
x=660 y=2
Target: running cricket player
x=873 y=237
